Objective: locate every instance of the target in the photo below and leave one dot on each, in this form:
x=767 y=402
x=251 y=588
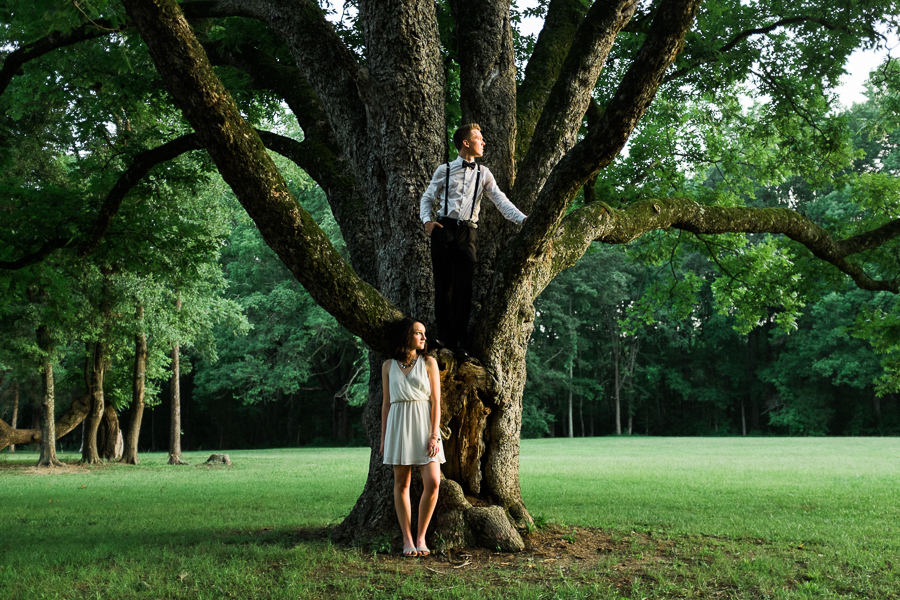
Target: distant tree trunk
x=571 y=430
x=743 y=419
x=95 y=371
x=616 y=387
x=130 y=451
x=290 y=421
x=15 y=415
x=48 y=417
x=749 y=373
x=581 y=414
x=591 y=418
x=109 y=435
x=175 y=428
x=36 y=416
x=152 y=431
x=341 y=407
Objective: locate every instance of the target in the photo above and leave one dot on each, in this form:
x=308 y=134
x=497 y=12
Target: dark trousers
x=453 y=260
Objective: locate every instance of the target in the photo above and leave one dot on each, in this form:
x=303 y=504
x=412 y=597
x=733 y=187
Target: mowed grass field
x=684 y=517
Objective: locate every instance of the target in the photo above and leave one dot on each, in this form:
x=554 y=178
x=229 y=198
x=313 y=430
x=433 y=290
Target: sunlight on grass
x=738 y=514
x=794 y=489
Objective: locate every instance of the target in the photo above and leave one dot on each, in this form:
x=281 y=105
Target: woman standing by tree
x=410 y=428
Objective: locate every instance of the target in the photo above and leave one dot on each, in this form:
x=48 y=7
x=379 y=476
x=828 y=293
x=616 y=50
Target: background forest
x=637 y=339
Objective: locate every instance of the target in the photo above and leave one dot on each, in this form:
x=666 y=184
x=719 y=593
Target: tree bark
x=109 y=435
x=130 y=451
x=617 y=399
x=571 y=419
x=175 y=394
x=74 y=416
x=15 y=414
x=48 y=417
x=95 y=371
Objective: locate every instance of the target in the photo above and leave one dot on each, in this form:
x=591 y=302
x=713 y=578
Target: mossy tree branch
x=318 y=154
x=544 y=67
x=242 y=160
x=599 y=222
x=571 y=94
x=600 y=146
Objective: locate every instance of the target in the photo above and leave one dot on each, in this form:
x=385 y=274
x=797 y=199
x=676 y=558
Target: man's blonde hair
x=463 y=134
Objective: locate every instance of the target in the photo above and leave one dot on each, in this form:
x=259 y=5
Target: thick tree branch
x=318 y=154
x=326 y=62
x=562 y=115
x=598 y=222
x=328 y=65
x=242 y=160
x=48 y=248
x=141 y=165
x=287 y=82
x=300 y=153
x=619 y=118
x=403 y=139
x=12 y=66
x=64 y=424
x=870 y=239
x=518 y=276
x=488 y=79
x=211 y=9
x=544 y=66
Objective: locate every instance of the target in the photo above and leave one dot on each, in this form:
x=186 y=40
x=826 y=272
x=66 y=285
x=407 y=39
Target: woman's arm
x=434 y=377
x=385 y=399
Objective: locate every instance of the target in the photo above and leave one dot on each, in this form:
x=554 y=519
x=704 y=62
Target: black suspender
x=474 y=197
x=447 y=189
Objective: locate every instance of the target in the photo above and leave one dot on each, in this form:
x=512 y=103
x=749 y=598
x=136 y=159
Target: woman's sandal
x=410 y=552
x=423 y=551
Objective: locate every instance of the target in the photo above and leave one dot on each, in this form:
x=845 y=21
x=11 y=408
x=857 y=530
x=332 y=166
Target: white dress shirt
x=461 y=190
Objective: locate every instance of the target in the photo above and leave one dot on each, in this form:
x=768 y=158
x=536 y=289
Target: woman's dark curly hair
x=403 y=338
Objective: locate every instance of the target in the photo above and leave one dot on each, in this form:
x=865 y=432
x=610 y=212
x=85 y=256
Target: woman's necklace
x=411 y=363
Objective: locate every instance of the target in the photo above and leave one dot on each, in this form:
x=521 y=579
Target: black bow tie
x=468 y=165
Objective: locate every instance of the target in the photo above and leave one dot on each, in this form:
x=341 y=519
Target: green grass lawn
x=723 y=518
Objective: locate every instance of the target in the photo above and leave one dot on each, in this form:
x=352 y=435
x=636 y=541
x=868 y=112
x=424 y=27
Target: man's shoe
x=461 y=353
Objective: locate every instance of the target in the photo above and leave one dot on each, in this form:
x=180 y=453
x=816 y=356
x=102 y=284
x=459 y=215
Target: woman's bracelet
x=434 y=437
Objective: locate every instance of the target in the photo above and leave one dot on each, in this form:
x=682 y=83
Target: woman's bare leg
x=431 y=481
x=402 y=475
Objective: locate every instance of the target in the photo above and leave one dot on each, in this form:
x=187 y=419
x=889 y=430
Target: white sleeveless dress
x=409 y=419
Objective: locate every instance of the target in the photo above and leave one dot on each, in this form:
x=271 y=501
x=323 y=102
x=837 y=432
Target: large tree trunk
x=96 y=369
x=48 y=408
x=130 y=450
x=468 y=511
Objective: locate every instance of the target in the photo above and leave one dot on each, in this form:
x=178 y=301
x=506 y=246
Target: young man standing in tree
x=449 y=209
